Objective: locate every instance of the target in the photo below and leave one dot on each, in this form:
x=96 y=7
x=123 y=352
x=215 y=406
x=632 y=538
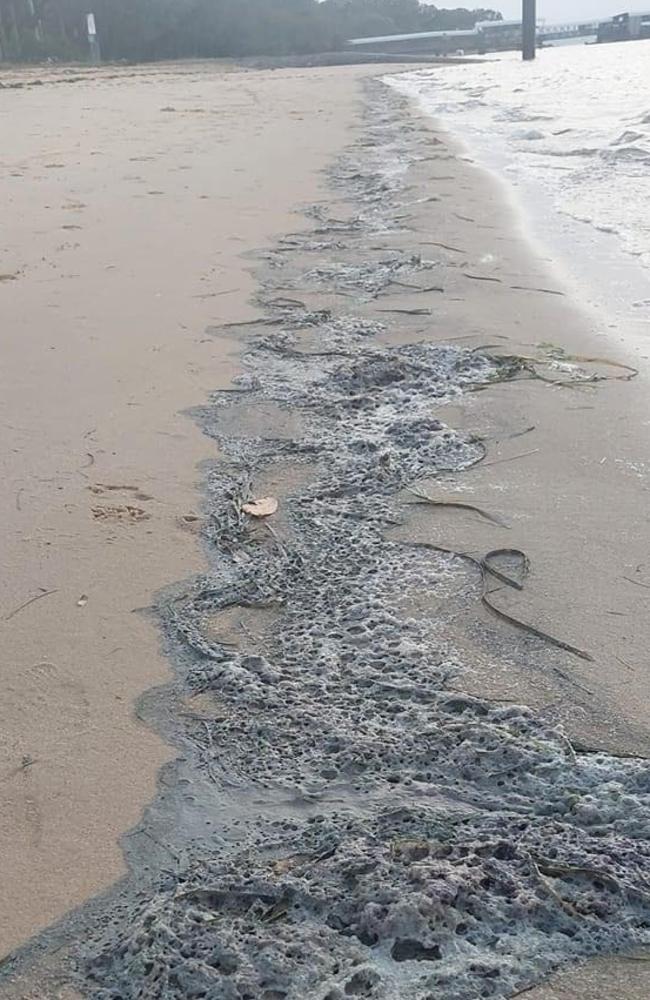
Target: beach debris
x=456 y=504
x=443 y=246
x=512 y=458
x=407 y=312
x=562 y=363
x=83 y=601
x=578 y=376
x=263 y=507
x=481 y=277
x=586 y=359
x=31 y=600
x=638 y=583
x=26 y=762
x=532 y=288
x=418 y=288
x=526 y=430
x=372 y=277
x=487 y=568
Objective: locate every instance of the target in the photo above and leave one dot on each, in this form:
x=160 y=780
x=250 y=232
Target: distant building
x=497 y=35
x=625 y=27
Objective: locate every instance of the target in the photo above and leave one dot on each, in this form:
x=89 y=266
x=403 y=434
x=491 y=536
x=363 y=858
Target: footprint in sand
x=121 y=511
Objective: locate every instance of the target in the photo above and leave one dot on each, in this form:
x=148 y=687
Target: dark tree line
x=169 y=29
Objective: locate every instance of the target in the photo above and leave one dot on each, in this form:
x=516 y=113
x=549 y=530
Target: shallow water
x=571 y=133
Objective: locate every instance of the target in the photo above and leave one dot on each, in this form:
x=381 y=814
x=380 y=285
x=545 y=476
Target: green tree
x=165 y=29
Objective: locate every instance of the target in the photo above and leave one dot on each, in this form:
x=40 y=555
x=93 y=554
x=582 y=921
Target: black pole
x=529 y=26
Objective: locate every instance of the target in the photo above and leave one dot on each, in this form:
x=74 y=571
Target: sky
x=559 y=10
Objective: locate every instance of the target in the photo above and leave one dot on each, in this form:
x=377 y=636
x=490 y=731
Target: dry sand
x=105 y=345
x=128 y=199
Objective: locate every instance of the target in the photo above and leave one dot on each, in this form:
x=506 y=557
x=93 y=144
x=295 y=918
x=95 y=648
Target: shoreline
x=583 y=467
x=483 y=307
x=598 y=269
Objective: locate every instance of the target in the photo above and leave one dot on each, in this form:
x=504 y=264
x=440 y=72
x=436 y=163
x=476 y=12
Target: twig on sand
x=418 y=288
x=407 y=312
x=24 y=765
x=284 y=302
x=619 y=754
x=571 y=680
x=562 y=903
x=529 y=288
x=512 y=458
x=159 y=843
x=525 y=989
x=247 y=632
x=213 y=295
x=481 y=277
x=556 y=869
x=637 y=583
x=276 y=538
x=458 y=504
x=464 y=336
x=26 y=604
x=518 y=434
x=260 y=321
x=444 y=246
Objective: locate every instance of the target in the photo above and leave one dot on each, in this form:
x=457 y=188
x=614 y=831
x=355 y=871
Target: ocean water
x=570 y=133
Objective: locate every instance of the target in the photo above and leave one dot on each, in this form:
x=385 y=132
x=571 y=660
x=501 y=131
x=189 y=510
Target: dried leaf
x=263 y=507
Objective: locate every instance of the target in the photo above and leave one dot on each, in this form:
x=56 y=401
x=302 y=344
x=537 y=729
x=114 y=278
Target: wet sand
x=565 y=467
x=568 y=468
x=128 y=199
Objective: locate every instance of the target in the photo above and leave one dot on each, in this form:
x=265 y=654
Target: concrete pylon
x=529 y=28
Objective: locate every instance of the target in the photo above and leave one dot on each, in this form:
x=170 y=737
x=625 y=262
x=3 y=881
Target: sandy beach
x=129 y=201
x=145 y=210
